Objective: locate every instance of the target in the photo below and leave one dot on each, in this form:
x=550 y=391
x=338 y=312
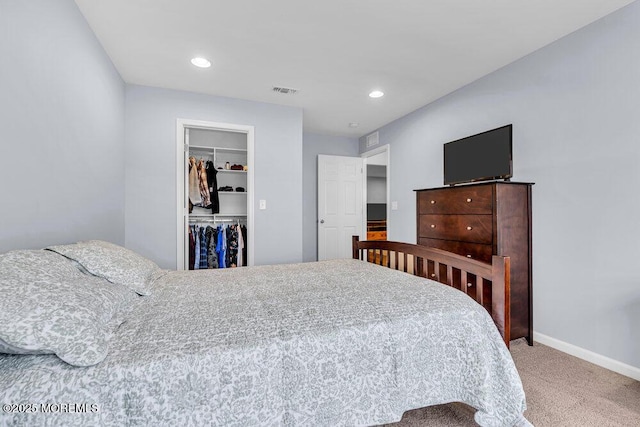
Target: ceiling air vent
x=373 y=139
x=285 y=90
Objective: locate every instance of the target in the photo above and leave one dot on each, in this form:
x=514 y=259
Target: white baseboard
x=589 y=356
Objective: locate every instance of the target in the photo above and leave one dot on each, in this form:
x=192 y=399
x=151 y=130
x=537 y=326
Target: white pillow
x=48 y=306
x=114 y=263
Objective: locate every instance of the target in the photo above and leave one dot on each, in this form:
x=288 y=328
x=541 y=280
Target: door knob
x=322 y=221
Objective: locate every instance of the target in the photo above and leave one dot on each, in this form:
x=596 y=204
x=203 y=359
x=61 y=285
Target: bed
x=341 y=342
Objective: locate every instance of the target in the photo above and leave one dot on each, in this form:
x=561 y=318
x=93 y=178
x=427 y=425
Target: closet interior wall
x=217 y=197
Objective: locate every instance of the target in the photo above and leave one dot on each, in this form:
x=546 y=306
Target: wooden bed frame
x=488 y=284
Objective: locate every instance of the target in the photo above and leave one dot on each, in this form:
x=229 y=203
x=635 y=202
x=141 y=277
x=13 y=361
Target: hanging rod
x=206 y=215
x=212 y=220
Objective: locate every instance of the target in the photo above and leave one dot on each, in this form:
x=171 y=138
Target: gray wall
x=151 y=205
x=376 y=184
x=61 y=129
x=376 y=190
x=315 y=144
x=574 y=106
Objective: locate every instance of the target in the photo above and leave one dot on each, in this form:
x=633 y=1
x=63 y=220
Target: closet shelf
x=230 y=171
x=201 y=148
x=220 y=149
x=232 y=192
x=231 y=150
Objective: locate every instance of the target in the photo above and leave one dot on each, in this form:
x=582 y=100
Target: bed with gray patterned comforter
x=331 y=343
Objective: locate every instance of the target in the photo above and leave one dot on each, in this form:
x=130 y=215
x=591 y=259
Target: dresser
x=479 y=221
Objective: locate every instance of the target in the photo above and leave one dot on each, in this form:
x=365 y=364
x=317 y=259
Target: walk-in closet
x=215 y=195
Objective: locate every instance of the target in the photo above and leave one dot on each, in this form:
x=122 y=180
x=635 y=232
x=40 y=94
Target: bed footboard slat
x=464 y=281
x=436 y=271
x=419 y=267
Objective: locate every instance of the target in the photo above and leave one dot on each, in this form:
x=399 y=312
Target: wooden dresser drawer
x=475 y=251
x=465 y=228
x=376 y=235
x=460 y=200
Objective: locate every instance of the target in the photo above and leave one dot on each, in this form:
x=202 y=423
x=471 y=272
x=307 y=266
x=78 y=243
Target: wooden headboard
x=488 y=284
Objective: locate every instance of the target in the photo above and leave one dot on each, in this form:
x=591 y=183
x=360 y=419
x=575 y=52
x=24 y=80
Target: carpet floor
x=561 y=390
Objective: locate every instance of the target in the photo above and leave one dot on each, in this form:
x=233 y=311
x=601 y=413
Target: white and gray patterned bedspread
x=330 y=343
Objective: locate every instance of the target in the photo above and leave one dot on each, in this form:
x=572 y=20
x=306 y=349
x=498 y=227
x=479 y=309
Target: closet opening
x=215 y=195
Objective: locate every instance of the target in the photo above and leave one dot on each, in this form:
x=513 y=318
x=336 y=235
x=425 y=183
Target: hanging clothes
x=196 y=262
x=194 y=184
x=243 y=230
x=204 y=249
x=240 y=248
x=232 y=246
x=221 y=247
x=203 y=184
x=212 y=240
x=212 y=182
x=192 y=248
x=224 y=246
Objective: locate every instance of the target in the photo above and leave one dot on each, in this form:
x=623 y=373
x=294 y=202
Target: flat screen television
x=482 y=157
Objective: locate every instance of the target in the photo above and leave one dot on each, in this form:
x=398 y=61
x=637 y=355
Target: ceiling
x=333 y=51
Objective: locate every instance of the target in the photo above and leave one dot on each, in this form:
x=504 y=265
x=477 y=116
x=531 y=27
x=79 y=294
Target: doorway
x=225 y=196
x=352 y=203
x=376 y=193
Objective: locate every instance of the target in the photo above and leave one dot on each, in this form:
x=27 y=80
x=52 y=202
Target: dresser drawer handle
x=469 y=285
x=469 y=228
x=433 y=202
x=469 y=200
x=433 y=274
x=433 y=226
x=468 y=256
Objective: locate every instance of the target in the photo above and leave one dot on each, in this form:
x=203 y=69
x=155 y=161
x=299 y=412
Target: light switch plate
x=263 y=204
x=394 y=206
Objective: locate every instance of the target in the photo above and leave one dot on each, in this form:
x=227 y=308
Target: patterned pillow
x=48 y=306
x=114 y=263
x=38 y=265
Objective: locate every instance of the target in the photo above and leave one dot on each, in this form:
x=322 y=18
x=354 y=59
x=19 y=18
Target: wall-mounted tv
x=481 y=157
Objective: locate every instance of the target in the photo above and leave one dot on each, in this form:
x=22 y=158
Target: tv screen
x=480 y=157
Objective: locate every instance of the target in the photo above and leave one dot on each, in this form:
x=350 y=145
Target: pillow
x=34 y=265
x=57 y=310
x=9 y=349
x=38 y=265
x=114 y=263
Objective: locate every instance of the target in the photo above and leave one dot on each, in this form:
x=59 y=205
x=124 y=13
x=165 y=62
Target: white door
x=339 y=205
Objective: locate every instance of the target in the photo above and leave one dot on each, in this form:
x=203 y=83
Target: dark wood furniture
x=377 y=229
x=487 y=283
x=479 y=221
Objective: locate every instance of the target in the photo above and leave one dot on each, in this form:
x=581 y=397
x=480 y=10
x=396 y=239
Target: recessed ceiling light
x=353 y=125
x=201 y=62
x=376 y=94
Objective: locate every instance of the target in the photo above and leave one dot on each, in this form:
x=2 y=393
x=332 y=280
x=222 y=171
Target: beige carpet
x=561 y=391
